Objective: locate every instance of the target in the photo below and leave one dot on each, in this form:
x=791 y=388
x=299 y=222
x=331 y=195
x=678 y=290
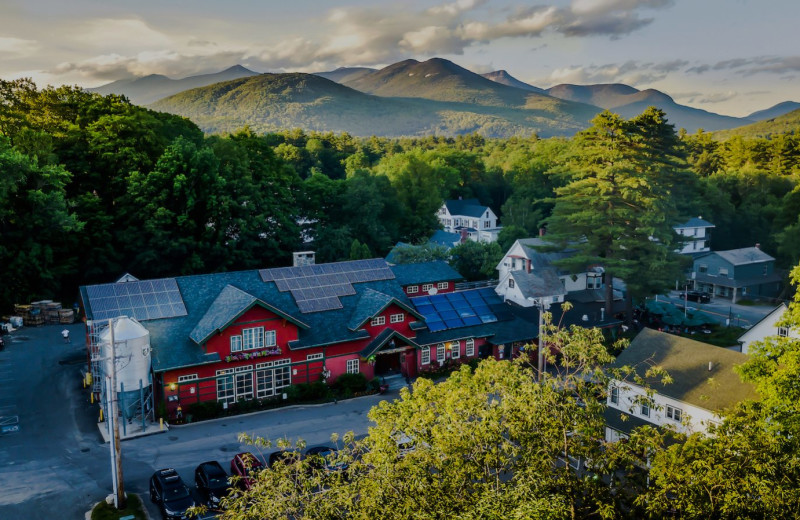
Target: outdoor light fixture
x=173 y=386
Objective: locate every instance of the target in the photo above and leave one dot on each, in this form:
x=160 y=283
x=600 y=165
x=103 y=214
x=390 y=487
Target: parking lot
x=57 y=463
x=724 y=311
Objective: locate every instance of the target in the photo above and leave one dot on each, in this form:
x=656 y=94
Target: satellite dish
x=432 y=291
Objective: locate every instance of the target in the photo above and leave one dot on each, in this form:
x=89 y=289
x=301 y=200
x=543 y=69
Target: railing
x=464 y=286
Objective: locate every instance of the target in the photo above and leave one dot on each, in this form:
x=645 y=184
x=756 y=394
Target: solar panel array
x=318 y=287
x=143 y=300
x=460 y=309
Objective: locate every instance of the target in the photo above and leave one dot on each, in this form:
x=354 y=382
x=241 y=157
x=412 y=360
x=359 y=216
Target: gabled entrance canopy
x=387 y=342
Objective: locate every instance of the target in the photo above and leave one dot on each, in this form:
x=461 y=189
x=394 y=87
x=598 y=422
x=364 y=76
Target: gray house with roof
x=470 y=219
x=738 y=273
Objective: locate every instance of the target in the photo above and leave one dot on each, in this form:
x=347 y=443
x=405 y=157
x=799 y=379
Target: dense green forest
x=93 y=187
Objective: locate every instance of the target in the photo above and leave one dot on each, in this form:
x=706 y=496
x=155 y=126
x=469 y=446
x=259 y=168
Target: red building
x=252 y=334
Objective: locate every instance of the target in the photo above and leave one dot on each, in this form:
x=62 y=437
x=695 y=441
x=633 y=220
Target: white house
x=704 y=384
x=767 y=327
x=525 y=273
x=469 y=218
x=696 y=233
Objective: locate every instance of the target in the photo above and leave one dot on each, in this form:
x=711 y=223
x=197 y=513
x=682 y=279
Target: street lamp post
x=116 y=452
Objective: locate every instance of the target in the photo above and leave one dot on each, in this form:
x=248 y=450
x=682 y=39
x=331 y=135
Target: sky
x=731 y=57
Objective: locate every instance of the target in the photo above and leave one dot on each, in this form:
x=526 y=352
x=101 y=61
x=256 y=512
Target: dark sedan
x=171 y=494
x=212 y=482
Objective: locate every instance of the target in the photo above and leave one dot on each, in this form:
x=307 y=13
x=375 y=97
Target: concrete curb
x=258 y=412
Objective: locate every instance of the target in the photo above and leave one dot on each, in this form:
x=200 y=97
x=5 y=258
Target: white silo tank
x=132 y=343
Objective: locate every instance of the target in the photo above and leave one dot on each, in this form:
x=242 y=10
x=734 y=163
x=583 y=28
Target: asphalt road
x=57 y=466
x=740 y=315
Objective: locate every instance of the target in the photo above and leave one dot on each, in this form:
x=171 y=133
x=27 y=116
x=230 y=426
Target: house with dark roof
x=469 y=219
x=695 y=233
x=247 y=335
x=704 y=384
x=527 y=275
x=426 y=278
x=737 y=273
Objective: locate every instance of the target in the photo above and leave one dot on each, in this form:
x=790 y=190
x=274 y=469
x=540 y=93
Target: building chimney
x=758 y=246
x=542 y=231
x=710 y=365
x=528 y=261
x=463 y=236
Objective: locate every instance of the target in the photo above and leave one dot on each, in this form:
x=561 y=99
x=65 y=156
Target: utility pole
x=112 y=416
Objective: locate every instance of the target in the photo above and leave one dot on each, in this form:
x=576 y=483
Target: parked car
x=171 y=494
x=324 y=457
x=246 y=465
x=282 y=456
x=212 y=482
x=697 y=296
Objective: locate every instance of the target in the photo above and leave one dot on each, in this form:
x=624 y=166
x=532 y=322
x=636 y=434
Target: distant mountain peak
x=504 y=78
x=238 y=68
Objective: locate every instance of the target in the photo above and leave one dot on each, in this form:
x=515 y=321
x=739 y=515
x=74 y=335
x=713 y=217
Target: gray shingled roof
x=541 y=260
x=371 y=303
x=435 y=271
x=744 y=256
x=538 y=283
x=466 y=207
x=695 y=222
x=443 y=238
x=382 y=339
x=686 y=361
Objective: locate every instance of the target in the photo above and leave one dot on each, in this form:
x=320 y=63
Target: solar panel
x=461 y=309
x=143 y=300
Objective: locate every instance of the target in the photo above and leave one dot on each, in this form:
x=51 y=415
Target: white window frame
x=443 y=285
x=188 y=377
x=253 y=338
x=412 y=289
x=455 y=349
x=314 y=357
x=353 y=366
x=645 y=409
x=270 y=338
x=425 y=356
x=226 y=389
x=427 y=287
x=236 y=343
x=378 y=320
x=783 y=332
x=613 y=395
x=510 y=283
x=243 y=382
x=440 y=352
x=469 y=348
x=397 y=318
x=676 y=414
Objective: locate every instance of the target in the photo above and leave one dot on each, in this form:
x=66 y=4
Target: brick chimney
x=758 y=246
x=542 y=231
x=463 y=236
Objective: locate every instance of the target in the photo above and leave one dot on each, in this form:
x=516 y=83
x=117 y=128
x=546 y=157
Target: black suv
x=212 y=482
x=171 y=494
x=697 y=296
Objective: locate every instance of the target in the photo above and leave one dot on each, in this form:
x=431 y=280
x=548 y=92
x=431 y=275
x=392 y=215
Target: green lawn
x=103 y=511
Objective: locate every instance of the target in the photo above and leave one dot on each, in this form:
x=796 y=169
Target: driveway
x=57 y=463
x=723 y=310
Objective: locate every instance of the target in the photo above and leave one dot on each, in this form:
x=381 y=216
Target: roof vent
x=710 y=366
x=585 y=317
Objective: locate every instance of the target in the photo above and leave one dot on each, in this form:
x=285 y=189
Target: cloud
x=753 y=65
x=631 y=72
x=368 y=36
x=17 y=46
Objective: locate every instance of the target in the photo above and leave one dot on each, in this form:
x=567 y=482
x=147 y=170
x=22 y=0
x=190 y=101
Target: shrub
x=204 y=410
x=348 y=384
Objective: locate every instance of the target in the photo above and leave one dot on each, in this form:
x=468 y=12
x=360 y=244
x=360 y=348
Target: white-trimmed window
x=440 y=352
x=455 y=349
x=510 y=283
x=427 y=287
x=397 y=318
x=674 y=413
x=236 y=343
x=783 y=332
x=225 y=389
x=314 y=357
x=443 y=285
x=378 y=320
x=469 y=348
x=353 y=366
x=244 y=382
x=189 y=377
x=645 y=409
x=270 y=338
x=425 y=356
x=253 y=338
x=412 y=289
x=614 y=395
x=723 y=271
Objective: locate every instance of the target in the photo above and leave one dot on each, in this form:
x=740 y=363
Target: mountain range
x=410 y=97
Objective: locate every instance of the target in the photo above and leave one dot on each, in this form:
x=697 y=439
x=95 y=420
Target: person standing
x=65 y=335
